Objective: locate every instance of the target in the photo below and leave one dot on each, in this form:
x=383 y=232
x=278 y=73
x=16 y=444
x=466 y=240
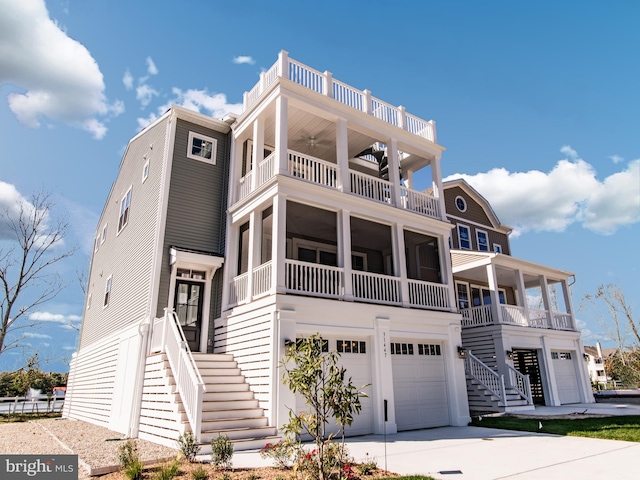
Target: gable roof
x=480 y=200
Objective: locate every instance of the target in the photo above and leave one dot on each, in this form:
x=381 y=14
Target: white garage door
x=355 y=356
x=566 y=381
x=419 y=384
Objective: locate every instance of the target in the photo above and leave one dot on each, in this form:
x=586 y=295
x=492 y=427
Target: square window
x=201 y=147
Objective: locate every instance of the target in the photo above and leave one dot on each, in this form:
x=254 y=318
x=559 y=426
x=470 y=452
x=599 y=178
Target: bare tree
x=35 y=243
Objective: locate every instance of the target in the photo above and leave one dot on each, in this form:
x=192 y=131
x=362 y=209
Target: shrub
x=221 y=451
x=253 y=476
x=188 y=446
x=282 y=453
x=199 y=474
x=225 y=476
x=368 y=465
x=168 y=471
x=130 y=462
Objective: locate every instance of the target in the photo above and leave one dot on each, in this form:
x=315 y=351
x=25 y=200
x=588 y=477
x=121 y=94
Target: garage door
x=566 y=381
x=355 y=356
x=419 y=385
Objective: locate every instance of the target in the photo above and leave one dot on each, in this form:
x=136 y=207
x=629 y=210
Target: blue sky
x=537 y=104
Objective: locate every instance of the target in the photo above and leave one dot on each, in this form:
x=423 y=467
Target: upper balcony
x=325 y=84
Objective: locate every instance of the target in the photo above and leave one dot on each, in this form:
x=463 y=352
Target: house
x=595 y=358
x=518 y=326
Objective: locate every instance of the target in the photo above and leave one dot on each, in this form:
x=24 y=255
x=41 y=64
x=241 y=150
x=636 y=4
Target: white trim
x=497 y=250
x=96 y=243
x=145 y=171
x=475 y=224
x=458 y=226
x=486 y=237
x=464 y=202
x=103 y=235
x=214 y=147
x=108 y=288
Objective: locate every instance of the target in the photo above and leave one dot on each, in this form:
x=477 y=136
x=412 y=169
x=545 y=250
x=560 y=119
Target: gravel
x=96 y=447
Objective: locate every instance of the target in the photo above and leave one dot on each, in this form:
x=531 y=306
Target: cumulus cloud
x=569 y=193
x=12 y=202
x=213 y=104
x=127 y=80
x=60 y=78
x=616 y=159
x=151 y=67
x=36 y=335
x=246 y=59
x=66 y=322
x=144 y=91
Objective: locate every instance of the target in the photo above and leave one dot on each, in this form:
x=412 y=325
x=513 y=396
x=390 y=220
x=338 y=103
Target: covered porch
x=497 y=289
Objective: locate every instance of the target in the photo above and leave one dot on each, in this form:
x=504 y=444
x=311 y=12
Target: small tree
x=25 y=266
x=328 y=393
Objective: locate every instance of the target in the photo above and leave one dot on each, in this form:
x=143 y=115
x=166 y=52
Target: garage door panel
x=566 y=380
x=420 y=389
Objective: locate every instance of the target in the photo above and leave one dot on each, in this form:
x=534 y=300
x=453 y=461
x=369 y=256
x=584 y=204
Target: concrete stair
x=482 y=400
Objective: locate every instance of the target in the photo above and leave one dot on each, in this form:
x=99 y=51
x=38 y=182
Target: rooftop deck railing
x=515 y=315
x=323 y=83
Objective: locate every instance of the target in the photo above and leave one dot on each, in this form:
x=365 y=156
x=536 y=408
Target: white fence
x=31 y=404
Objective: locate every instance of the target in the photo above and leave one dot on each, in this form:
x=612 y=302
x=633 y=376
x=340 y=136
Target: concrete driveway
x=475 y=453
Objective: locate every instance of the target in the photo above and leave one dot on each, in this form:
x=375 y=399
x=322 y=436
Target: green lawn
x=610 y=428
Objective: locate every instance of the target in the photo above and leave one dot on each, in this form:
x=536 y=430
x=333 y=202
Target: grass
x=25 y=417
x=609 y=428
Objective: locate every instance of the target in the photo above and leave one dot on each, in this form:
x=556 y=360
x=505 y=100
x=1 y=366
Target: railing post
x=327 y=84
x=402 y=112
x=367 y=101
x=503 y=392
x=283 y=64
x=528 y=387
x=165 y=323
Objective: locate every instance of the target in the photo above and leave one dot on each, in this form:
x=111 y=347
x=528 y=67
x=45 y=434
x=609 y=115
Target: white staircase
x=487 y=391
x=228 y=405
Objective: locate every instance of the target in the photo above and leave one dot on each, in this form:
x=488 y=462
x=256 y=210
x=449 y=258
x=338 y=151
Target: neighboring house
x=291 y=219
x=595 y=359
x=518 y=326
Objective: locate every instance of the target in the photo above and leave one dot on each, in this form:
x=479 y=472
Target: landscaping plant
x=188 y=446
x=221 y=451
x=130 y=462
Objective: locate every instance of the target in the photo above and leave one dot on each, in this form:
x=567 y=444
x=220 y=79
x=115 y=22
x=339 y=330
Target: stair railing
x=485 y=375
x=185 y=371
x=520 y=382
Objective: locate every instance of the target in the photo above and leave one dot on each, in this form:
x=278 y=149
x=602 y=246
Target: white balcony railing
x=514 y=315
x=419 y=202
x=324 y=84
x=476 y=316
x=428 y=294
x=370 y=187
x=562 y=321
x=262 y=280
x=239 y=290
x=376 y=288
x=313 y=279
x=311 y=169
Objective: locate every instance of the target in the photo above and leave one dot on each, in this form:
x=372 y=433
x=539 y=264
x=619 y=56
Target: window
x=351 y=346
x=483 y=240
x=497 y=248
x=96 y=243
x=145 y=171
x=103 y=237
x=88 y=301
x=201 y=147
x=462 y=290
x=561 y=355
x=125 y=205
x=107 y=292
x=464 y=237
x=482 y=296
x=325 y=344
x=402 y=349
x=429 y=349
x=461 y=204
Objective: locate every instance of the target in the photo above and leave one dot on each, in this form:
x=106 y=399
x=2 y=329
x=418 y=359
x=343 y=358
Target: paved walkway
x=475 y=453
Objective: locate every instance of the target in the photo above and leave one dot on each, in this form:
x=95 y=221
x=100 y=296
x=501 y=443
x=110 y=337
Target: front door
x=188 y=307
x=526 y=362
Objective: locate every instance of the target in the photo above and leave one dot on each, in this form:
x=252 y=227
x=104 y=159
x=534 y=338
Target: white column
x=567 y=302
x=278 y=244
x=456 y=384
x=344 y=252
x=399 y=262
x=436 y=177
x=522 y=294
x=382 y=384
x=251 y=254
x=231 y=262
x=582 y=372
x=493 y=290
x=327 y=84
x=342 y=154
x=551 y=396
x=394 y=171
x=282 y=108
x=544 y=290
x=284 y=399
x=258 y=149
x=446 y=272
x=283 y=64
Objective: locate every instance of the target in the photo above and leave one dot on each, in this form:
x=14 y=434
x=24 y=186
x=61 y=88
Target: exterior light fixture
x=287 y=342
x=462 y=352
x=509 y=354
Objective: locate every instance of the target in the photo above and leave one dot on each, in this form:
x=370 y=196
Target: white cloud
x=244 y=59
x=60 y=78
x=213 y=104
x=151 y=67
x=54 y=317
x=569 y=193
x=127 y=80
x=616 y=159
x=36 y=335
x=12 y=202
x=145 y=93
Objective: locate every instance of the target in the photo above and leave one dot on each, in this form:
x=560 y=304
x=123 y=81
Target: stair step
x=238 y=433
x=228 y=396
x=227 y=387
x=212 y=404
x=209 y=414
x=228 y=423
x=224 y=372
x=212 y=357
x=213 y=366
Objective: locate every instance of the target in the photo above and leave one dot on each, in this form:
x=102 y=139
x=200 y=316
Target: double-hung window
x=107 y=292
x=125 y=206
x=483 y=240
x=464 y=237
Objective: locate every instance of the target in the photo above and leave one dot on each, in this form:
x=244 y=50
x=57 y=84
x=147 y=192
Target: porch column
x=394 y=172
x=551 y=395
x=446 y=273
x=544 y=290
x=522 y=295
x=383 y=378
x=282 y=122
x=567 y=302
x=344 y=252
x=279 y=244
x=584 y=381
x=229 y=271
x=251 y=254
x=436 y=175
x=493 y=290
x=258 y=149
x=399 y=262
x=342 y=154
